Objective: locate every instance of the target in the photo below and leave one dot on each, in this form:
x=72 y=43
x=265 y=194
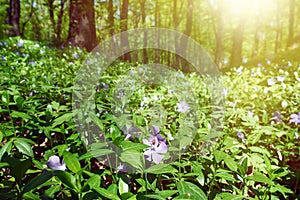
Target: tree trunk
x=124 y=27
x=158 y=54
x=237 y=45
x=13 y=17
x=82 y=31
x=145 y=56
x=59 y=21
x=256 y=40
x=219 y=35
x=51 y=15
x=291 y=23
x=188 y=30
x=176 y=58
x=111 y=19
x=278 y=28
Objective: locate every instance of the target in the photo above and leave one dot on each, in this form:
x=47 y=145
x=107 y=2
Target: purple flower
x=20 y=43
x=240 y=70
x=157 y=148
x=241 y=136
x=121 y=94
x=271 y=81
x=105 y=86
x=295 y=118
x=32 y=63
x=75 y=55
x=277 y=116
x=128 y=132
x=3 y=58
x=280 y=78
x=250 y=113
x=88 y=62
x=155 y=129
x=183 y=107
x=55 y=164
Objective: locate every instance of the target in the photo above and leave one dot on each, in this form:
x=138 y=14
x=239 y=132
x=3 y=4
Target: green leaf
x=17 y=114
x=191 y=190
x=123 y=187
x=96 y=120
x=3 y=164
x=50 y=192
x=5 y=98
x=71 y=162
x=37 y=181
x=201 y=178
x=64 y=118
x=230 y=163
x=226 y=176
x=23 y=147
x=106 y=193
x=219 y=155
x=66 y=179
x=134 y=159
x=131 y=146
x=94 y=181
x=160 y=169
x=259 y=177
x=229 y=196
x=162 y=195
x=5 y=148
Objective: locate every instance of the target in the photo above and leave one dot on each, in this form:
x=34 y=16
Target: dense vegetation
x=254 y=156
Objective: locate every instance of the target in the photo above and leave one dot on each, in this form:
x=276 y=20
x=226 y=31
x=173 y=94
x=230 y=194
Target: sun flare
x=247 y=7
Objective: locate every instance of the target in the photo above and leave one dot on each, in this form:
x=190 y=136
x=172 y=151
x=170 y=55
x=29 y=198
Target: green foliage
x=256 y=155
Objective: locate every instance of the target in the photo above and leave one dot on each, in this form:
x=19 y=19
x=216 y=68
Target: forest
x=150 y=99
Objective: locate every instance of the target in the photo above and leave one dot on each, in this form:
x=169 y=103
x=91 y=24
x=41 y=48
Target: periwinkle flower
x=88 y=62
x=156 y=150
x=277 y=116
x=129 y=131
x=183 y=107
x=240 y=70
x=241 y=136
x=225 y=91
x=75 y=55
x=20 y=43
x=3 y=58
x=271 y=81
x=105 y=86
x=32 y=63
x=250 y=113
x=295 y=118
x=55 y=164
x=280 y=78
x=121 y=94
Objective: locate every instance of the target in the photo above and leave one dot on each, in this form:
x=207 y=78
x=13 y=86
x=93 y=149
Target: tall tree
x=82 y=31
x=219 y=32
x=59 y=21
x=143 y=10
x=278 y=27
x=291 y=22
x=256 y=40
x=13 y=17
x=124 y=27
x=187 y=32
x=237 y=42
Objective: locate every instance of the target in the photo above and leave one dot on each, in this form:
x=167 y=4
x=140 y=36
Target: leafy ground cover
x=255 y=156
